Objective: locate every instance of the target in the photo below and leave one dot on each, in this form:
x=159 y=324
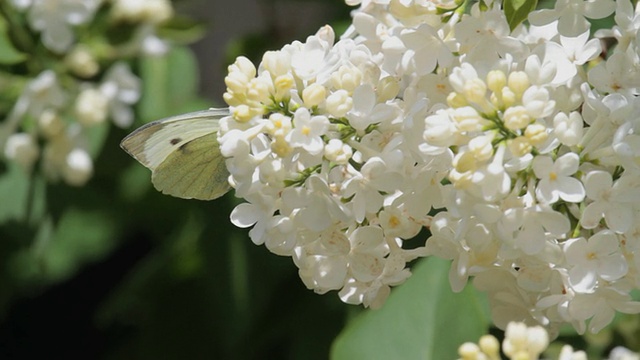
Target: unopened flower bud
x=242 y=113
x=475 y=90
x=78 y=167
x=277 y=63
x=337 y=152
x=243 y=65
x=456 y=100
x=519 y=146
x=536 y=133
x=81 y=62
x=314 y=95
x=23 y=149
x=481 y=147
x=496 y=80
x=509 y=98
x=281 y=147
x=283 y=85
x=49 y=124
x=516 y=117
x=387 y=89
x=91 y=107
x=518 y=82
x=279 y=125
x=347 y=78
x=339 y=103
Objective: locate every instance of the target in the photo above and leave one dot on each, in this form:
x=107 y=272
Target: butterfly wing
x=196 y=170
x=187 y=142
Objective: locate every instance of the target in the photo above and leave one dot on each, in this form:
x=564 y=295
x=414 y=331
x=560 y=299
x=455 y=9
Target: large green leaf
x=81 y=236
x=517 y=11
x=14 y=192
x=422 y=319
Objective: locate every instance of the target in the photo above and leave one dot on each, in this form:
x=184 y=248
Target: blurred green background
x=116 y=270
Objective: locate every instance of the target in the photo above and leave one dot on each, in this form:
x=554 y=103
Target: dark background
x=167 y=278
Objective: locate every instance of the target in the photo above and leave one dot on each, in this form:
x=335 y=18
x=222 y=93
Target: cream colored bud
x=518 y=82
x=326 y=34
x=536 y=133
x=469 y=351
x=260 y=89
x=283 y=85
x=281 y=147
x=242 y=113
x=338 y=152
x=465 y=162
x=490 y=346
x=496 y=80
x=519 y=146
x=232 y=99
x=339 y=103
x=475 y=90
x=150 y=11
x=509 y=98
x=277 y=63
x=467 y=119
x=538 y=340
x=49 y=124
x=78 y=167
x=91 y=107
x=347 y=78
x=279 y=125
x=157 y=11
x=516 y=117
x=314 y=95
x=243 y=65
x=81 y=62
x=23 y=149
x=387 y=89
x=236 y=82
x=481 y=147
x=456 y=100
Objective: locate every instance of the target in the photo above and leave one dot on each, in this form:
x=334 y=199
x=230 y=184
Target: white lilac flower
x=425 y=50
x=612 y=201
x=54 y=19
x=23 y=149
x=556 y=181
x=91 y=107
x=598 y=258
x=122 y=88
x=342 y=149
x=571 y=14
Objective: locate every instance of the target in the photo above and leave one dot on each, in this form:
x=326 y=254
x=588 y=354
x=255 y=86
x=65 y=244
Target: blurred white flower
x=122 y=88
x=23 y=149
x=55 y=18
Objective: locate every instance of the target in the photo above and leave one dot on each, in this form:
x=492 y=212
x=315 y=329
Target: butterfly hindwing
x=191 y=172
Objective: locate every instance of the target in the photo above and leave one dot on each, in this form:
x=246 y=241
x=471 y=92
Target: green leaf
x=81 y=236
x=8 y=53
x=517 y=11
x=422 y=319
x=14 y=192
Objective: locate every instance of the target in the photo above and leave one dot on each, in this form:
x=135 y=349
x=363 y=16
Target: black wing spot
x=175 y=141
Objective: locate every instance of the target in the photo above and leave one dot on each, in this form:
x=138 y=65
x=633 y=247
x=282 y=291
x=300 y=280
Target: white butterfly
x=183 y=155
